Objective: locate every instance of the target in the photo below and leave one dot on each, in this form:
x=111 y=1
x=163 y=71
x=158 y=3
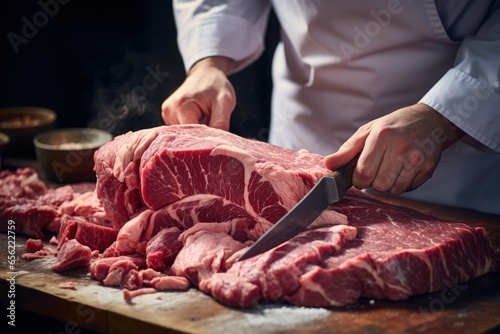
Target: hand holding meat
x=205 y=97
x=399 y=151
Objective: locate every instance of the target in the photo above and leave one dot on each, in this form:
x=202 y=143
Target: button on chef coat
x=341 y=64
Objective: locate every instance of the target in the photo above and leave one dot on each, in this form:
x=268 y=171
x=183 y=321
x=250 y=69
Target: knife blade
x=328 y=190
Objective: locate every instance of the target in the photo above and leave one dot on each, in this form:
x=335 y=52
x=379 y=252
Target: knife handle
x=346 y=171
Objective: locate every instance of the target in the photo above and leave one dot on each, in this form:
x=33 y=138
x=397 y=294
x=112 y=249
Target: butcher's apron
x=332 y=77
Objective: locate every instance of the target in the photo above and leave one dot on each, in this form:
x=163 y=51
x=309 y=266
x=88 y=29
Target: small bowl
x=22 y=124
x=67 y=155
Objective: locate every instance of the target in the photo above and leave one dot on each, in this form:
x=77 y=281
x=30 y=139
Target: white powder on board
x=272 y=317
x=286 y=315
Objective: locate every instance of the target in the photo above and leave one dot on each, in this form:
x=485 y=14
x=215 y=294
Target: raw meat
x=157 y=282
x=277 y=273
x=33 y=245
x=168 y=283
x=27 y=201
x=163 y=282
x=162 y=249
x=203 y=208
x=206 y=251
x=35 y=249
x=396 y=254
x=123 y=273
x=35 y=208
x=117 y=170
x=184 y=214
x=30 y=217
x=100 y=268
x=86 y=205
x=95 y=236
x=72 y=255
x=24 y=182
x=180 y=161
x=399 y=253
x=128 y=295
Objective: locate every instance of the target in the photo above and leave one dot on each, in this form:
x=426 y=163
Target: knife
x=328 y=190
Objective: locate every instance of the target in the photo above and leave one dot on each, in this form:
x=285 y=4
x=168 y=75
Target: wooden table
x=472 y=307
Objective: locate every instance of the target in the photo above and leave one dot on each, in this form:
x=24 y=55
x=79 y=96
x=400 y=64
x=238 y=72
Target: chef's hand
x=206 y=96
x=399 y=151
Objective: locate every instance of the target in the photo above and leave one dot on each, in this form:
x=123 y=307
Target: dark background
x=87 y=60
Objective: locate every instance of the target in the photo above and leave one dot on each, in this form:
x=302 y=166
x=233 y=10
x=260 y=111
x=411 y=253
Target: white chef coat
x=341 y=64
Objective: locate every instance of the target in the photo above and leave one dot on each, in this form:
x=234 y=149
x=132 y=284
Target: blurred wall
x=88 y=60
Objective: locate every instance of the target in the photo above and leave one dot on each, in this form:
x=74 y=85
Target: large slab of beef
x=394 y=254
x=180 y=161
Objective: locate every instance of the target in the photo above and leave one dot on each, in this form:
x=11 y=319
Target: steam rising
x=126 y=93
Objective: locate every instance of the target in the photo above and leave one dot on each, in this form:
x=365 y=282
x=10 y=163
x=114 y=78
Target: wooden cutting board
x=472 y=307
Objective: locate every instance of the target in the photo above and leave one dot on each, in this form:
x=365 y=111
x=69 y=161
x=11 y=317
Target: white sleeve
x=230 y=28
x=469 y=93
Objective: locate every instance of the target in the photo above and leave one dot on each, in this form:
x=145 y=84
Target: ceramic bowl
x=22 y=124
x=67 y=155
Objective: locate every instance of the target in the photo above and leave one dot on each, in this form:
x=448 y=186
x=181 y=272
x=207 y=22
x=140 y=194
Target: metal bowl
x=22 y=124
x=67 y=155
